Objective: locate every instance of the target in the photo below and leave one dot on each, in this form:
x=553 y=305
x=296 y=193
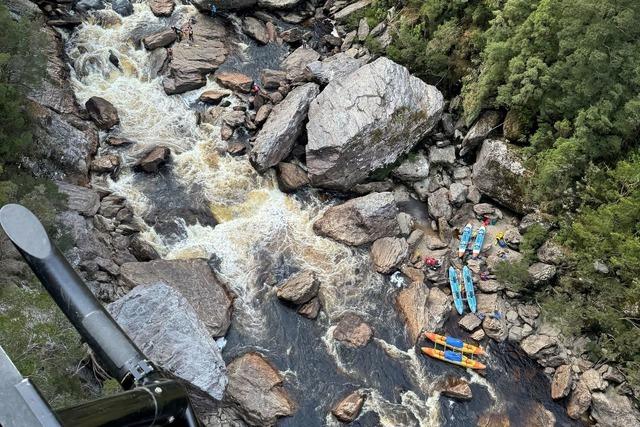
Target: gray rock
x=489 y=286
x=473 y=195
x=255 y=29
x=122 y=7
x=388 y=253
x=561 y=382
x=613 y=410
x=551 y=253
x=348 y=409
x=593 y=380
x=458 y=193
x=196 y=282
x=534 y=344
x=528 y=313
x=535 y=218
x=512 y=237
x=193 y=61
x=406 y=223
x=299 y=288
x=479 y=131
x=87 y=5
x=363 y=29
x=357 y=126
x=456 y=388
x=352 y=330
x=277 y=4
x=310 y=309
x=105 y=164
x=224 y=5
x=263 y=113
x=541 y=273
x=256 y=387
x=600 y=267
x=80 y=199
x=167 y=329
x=162 y=7
x=238 y=82
x=579 y=401
x=470 y=322
x=334 y=67
x=422 y=309
x=142 y=250
x=299 y=59
x=495 y=329
x=499 y=173
x=154 y=159
x=345 y=12
x=291 y=177
x=273 y=79
x=360 y=220
x=102 y=112
x=414 y=168
x=438 y=203
x=160 y=39
x=442 y=156
x=281 y=130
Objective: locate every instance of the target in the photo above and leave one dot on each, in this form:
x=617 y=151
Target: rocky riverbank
x=395 y=173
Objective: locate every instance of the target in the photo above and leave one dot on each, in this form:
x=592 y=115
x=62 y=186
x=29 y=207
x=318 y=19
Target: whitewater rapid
x=259 y=229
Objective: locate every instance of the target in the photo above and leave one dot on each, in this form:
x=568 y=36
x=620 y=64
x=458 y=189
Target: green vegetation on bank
x=33 y=331
x=566 y=73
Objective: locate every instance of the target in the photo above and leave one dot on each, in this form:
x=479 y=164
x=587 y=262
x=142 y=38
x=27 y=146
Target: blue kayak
x=465 y=238
x=455 y=290
x=477 y=245
x=468 y=288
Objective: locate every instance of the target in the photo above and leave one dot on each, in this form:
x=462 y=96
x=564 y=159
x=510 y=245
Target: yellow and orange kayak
x=453 y=357
x=454 y=343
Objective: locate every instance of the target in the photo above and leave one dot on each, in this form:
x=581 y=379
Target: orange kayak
x=453 y=357
x=454 y=343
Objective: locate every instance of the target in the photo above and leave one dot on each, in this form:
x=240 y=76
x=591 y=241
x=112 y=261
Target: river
x=256 y=235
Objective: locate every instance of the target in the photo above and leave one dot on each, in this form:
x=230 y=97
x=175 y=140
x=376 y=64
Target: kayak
x=477 y=245
x=456 y=343
x=455 y=290
x=453 y=357
x=467 y=277
x=465 y=238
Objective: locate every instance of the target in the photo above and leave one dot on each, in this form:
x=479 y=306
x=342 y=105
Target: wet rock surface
x=256 y=387
x=353 y=331
x=348 y=409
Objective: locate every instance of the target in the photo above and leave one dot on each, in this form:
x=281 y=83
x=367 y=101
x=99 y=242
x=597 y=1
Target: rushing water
x=256 y=235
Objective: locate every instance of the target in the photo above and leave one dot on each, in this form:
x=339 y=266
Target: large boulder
x=254 y=28
x=167 y=329
x=541 y=273
x=422 y=309
x=255 y=386
x=235 y=81
x=160 y=39
x=348 y=409
x=414 y=168
x=613 y=410
x=296 y=63
x=353 y=331
x=282 y=128
x=291 y=177
x=102 y=112
x=193 y=61
x=334 y=67
x=388 y=253
x=162 y=7
x=366 y=121
x=499 y=173
x=154 y=159
x=487 y=122
x=194 y=279
x=299 y=288
x=361 y=220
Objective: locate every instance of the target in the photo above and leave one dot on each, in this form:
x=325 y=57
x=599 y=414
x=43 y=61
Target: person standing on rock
x=169 y=54
x=178 y=32
x=214 y=9
x=188 y=30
